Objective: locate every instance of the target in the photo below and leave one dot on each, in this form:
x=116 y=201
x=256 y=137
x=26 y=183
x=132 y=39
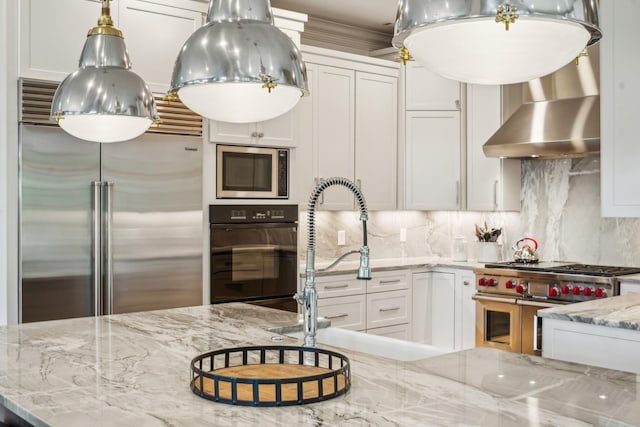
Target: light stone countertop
x=133 y=370
x=622 y=311
x=635 y=278
x=350 y=264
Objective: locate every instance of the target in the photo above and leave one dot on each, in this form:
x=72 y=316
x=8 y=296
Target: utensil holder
x=488 y=252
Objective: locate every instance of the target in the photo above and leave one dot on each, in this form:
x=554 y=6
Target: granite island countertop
x=133 y=370
x=350 y=264
x=621 y=311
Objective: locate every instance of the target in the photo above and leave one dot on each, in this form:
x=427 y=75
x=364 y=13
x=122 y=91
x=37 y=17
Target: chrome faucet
x=309 y=298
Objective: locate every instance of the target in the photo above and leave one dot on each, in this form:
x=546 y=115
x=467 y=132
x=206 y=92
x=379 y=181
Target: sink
x=390 y=348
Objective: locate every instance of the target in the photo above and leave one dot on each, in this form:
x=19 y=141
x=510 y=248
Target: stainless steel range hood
x=561 y=119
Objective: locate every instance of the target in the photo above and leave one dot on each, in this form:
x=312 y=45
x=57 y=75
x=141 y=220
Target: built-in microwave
x=252 y=172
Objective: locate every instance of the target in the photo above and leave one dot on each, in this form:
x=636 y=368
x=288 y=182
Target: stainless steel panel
x=56 y=205
x=157 y=221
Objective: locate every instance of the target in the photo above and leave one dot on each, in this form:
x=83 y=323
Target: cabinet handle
x=336 y=316
x=386 y=282
x=346 y=285
x=261 y=134
x=383 y=310
x=359 y=183
x=257 y=135
x=495 y=194
x=458 y=194
x=465 y=283
x=457 y=103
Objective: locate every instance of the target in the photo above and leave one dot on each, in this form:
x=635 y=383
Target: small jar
x=459 y=249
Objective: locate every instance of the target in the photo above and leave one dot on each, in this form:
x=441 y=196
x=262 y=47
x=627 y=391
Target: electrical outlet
x=342 y=237
x=403 y=234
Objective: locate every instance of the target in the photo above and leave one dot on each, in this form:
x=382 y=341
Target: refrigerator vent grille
x=176 y=118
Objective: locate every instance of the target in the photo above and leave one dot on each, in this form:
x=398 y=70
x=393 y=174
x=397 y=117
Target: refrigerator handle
x=108 y=253
x=96 y=253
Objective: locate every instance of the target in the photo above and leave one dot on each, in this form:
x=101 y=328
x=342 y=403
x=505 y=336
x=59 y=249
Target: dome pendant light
x=495 y=42
x=239 y=67
x=104 y=101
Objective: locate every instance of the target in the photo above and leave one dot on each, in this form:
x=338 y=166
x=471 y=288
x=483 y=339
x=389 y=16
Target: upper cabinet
x=154 y=32
x=446 y=125
x=354 y=128
x=492 y=183
x=280 y=131
x=620 y=102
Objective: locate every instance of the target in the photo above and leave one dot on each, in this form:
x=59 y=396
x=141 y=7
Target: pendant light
x=492 y=41
x=104 y=101
x=239 y=67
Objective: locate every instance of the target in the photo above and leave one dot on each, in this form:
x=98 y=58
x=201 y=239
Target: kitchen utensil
x=524 y=252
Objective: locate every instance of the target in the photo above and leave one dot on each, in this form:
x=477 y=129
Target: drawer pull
x=383 y=310
x=345 y=285
x=386 y=282
x=336 y=316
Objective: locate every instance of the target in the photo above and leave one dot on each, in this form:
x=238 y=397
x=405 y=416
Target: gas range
x=559 y=282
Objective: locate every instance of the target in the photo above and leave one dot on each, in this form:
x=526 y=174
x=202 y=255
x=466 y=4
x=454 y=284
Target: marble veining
x=133 y=370
x=615 y=312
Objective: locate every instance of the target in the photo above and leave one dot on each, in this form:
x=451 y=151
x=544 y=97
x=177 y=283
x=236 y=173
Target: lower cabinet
x=381 y=306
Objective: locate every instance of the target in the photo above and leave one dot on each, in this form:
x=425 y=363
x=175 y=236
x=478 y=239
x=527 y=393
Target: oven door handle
x=542 y=304
x=479 y=297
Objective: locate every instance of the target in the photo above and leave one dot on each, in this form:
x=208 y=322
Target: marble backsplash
x=560 y=208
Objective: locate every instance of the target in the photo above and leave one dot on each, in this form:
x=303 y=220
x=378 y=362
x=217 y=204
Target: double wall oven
x=254 y=254
x=510 y=294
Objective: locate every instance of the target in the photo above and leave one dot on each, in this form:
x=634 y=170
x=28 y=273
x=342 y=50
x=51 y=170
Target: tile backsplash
x=560 y=208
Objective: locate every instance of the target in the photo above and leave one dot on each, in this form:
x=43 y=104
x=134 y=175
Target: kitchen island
x=133 y=370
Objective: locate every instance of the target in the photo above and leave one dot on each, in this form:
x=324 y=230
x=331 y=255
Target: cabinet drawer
x=338 y=286
x=388 y=308
x=344 y=312
x=401 y=332
x=389 y=281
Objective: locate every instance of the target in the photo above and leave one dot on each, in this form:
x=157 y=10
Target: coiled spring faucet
x=309 y=298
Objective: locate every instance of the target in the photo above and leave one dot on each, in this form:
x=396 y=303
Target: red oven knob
x=565 y=289
x=482 y=281
x=576 y=290
x=554 y=292
x=509 y=284
x=587 y=292
x=492 y=282
x=600 y=293
x=521 y=289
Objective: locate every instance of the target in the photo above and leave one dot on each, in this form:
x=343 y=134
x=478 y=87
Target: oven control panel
x=544 y=287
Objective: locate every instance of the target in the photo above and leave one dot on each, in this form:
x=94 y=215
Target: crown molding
x=332 y=35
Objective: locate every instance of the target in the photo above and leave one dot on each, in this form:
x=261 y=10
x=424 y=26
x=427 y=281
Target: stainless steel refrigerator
x=108 y=228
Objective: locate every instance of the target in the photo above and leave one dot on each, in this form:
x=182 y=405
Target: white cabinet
x=491 y=184
x=51 y=41
x=354 y=127
x=452 y=317
x=620 y=92
x=154 y=34
x=628 y=287
x=432 y=160
x=280 y=131
x=426 y=90
x=382 y=305
x=613 y=348
x=334 y=132
x=443 y=315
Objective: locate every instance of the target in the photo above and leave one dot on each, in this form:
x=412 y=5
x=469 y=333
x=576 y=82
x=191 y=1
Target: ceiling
x=378 y=15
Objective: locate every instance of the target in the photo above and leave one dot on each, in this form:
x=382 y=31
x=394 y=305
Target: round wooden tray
x=270 y=375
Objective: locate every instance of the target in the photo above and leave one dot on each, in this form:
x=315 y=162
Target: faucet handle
x=364 y=272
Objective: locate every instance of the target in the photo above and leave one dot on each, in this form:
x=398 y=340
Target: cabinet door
x=421 y=310
x=278 y=132
x=52 y=34
x=334 y=135
x=301 y=181
x=154 y=35
x=620 y=91
x=377 y=139
x=465 y=327
x=442 y=310
x=426 y=90
x=345 y=312
x=433 y=160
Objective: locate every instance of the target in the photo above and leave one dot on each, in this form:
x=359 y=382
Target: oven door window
x=251 y=261
x=498 y=324
x=247 y=172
